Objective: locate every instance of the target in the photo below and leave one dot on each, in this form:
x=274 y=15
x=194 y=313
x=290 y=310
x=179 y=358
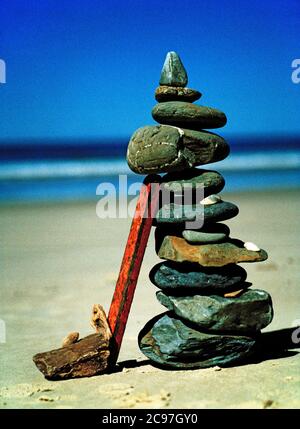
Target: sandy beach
x=57 y=260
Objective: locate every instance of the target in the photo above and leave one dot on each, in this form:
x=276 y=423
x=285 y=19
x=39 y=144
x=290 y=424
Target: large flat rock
x=171 y=342
x=209 y=255
x=250 y=311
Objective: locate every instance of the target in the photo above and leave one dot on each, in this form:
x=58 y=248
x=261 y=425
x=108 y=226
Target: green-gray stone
x=155 y=148
x=175 y=213
x=188 y=115
x=211 y=181
x=172 y=342
x=163 y=148
x=173 y=72
x=213 y=233
x=250 y=311
x=203 y=147
x=176 y=93
x=188 y=278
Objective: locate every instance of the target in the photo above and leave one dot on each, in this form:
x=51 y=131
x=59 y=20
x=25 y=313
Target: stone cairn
x=214 y=319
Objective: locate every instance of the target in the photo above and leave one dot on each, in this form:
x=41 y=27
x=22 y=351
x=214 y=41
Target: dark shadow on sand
x=277 y=345
x=129 y=364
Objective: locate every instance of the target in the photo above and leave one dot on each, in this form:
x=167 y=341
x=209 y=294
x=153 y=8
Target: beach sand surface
x=57 y=260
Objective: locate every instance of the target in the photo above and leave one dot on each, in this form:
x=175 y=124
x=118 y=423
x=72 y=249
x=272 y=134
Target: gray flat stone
x=175 y=213
x=173 y=72
x=188 y=278
x=212 y=182
x=213 y=233
x=171 y=342
x=250 y=311
x=176 y=93
x=187 y=115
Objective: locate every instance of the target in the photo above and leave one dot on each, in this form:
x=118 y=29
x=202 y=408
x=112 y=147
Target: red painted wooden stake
x=132 y=260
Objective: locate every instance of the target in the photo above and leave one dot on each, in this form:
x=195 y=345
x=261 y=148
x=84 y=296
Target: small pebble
x=70 y=339
x=268 y=403
x=251 y=246
x=211 y=199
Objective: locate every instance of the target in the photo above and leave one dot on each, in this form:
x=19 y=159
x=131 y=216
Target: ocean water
x=71 y=170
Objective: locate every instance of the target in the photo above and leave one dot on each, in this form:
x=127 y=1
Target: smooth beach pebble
x=163 y=148
x=70 y=339
x=192 y=179
x=188 y=278
x=176 y=213
x=251 y=311
x=188 y=115
x=211 y=233
x=173 y=72
x=211 y=199
x=172 y=342
x=251 y=246
x=176 y=93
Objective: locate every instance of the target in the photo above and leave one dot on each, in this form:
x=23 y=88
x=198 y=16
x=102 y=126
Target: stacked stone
x=213 y=318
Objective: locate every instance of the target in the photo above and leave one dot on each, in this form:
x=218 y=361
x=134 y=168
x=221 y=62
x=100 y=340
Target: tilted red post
x=146 y=208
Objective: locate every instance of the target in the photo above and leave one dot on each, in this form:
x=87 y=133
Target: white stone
x=211 y=199
x=251 y=246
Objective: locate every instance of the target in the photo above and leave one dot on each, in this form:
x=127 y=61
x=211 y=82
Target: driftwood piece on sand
x=85 y=358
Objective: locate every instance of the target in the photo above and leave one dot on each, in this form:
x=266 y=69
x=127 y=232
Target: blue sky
x=89 y=68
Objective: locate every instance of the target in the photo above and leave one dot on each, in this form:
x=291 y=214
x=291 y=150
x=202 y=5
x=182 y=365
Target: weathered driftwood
x=99 y=321
x=85 y=358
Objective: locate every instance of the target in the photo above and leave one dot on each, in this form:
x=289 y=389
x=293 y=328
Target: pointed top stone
x=173 y=72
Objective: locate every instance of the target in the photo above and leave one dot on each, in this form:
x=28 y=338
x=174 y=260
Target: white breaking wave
x=260 y=161
x=62 y=169
x=38 y=169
